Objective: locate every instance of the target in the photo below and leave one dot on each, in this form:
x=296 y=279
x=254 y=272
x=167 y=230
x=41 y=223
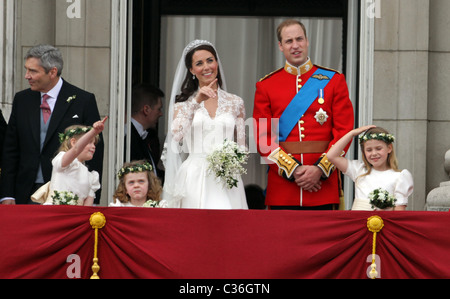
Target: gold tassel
x=374 y=224
x=97 y=222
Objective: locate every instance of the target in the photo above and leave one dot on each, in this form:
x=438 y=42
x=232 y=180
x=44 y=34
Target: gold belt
x=305 y=147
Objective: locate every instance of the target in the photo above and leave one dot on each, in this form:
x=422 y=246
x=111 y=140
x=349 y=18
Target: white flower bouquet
x=152 y=204
x=226 y=162
x=65 y=198
x=381 y=199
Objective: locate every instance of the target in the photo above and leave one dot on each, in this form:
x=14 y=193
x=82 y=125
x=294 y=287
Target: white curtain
x=248 y=49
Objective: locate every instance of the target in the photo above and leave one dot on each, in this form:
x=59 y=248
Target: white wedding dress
x=195 y=187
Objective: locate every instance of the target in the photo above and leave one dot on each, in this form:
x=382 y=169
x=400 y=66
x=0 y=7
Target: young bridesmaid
x=377 y=170
x=138 y=186
x=72 y=183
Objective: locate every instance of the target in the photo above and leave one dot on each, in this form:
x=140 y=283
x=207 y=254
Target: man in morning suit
x=314 y=111
x=146 y=109
x=38 y=115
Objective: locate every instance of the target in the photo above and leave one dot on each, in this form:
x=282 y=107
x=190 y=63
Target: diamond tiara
x=194 y=44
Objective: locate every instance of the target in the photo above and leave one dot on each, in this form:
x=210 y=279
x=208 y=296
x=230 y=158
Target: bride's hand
x=207 y=92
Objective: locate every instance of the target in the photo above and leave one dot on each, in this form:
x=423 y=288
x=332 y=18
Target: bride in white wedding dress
x=201 y=116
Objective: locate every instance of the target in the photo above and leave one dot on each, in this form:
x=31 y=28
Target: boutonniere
x=71 y=98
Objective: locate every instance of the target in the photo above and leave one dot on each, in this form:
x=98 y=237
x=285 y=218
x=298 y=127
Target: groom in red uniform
x=300 y=111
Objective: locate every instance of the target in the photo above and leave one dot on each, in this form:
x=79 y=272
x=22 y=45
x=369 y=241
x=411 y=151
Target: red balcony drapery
x=36 y=242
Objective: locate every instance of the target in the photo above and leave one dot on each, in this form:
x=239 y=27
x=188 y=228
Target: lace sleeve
x=182 y=118
x=240 y=124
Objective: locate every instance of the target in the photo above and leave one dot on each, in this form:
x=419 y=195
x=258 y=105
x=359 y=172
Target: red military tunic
x=328 y=119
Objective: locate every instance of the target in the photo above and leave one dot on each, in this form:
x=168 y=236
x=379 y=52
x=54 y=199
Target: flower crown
x=388 y=138
x=73 y=132
x=135 y=168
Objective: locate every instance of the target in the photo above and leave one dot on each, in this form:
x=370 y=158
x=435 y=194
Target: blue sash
x=302 y=101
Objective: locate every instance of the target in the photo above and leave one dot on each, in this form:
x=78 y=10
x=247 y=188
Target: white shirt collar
x=53 y=93
x=139 y=128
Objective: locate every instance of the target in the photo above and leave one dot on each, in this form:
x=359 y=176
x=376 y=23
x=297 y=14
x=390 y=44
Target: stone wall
x=438 y=138
x=412 y=58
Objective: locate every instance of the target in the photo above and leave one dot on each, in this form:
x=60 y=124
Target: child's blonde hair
x=154 y=184
x=74 y=131
x=378 y=131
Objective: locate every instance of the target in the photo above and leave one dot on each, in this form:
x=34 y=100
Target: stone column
x=438 y=139
x=401 y=85
x=439 y=198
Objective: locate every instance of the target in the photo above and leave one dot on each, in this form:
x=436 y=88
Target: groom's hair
x=289 y=23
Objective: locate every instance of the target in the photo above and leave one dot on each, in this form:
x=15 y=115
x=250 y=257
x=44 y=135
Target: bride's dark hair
x=190 y=85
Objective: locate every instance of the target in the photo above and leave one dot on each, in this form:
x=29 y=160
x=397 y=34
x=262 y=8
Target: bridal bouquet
x=65 y=198
x=226 y=162
x=381 y=199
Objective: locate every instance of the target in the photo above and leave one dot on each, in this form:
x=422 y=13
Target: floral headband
x=388 y=138
x=73 y=132
x=136 y=168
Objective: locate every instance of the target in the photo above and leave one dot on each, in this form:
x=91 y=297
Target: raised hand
x=207 y=92
x=77 y=146
x=361 y=130
x=99 y=126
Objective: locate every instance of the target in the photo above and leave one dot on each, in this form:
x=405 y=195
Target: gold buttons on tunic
x=299 y=80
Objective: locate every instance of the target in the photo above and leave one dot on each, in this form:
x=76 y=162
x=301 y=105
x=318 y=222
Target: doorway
x=161 y=29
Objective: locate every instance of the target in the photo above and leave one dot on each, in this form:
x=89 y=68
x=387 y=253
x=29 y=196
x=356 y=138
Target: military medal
x=321 y=99
x=321 y=116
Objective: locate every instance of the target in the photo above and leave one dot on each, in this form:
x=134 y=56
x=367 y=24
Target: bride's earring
x=193 y=77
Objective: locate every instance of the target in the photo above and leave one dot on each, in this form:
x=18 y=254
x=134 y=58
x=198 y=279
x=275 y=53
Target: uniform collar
x=298 y=71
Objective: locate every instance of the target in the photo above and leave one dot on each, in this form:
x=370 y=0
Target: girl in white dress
x=138 y=186
x=379 y=168
x=201 y=116
x=72 y=183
